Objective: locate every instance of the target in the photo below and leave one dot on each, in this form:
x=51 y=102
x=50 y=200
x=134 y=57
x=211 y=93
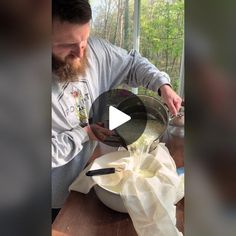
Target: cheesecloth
x=149 y=193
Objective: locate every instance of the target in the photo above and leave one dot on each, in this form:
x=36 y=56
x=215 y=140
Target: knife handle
x=103 y=171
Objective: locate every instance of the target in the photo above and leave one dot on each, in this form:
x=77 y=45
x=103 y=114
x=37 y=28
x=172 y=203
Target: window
x=161 y=31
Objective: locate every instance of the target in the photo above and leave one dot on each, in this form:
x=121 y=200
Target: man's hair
x=73 y=11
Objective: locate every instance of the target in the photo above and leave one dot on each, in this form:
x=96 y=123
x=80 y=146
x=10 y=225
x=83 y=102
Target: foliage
x=162 y=34
x=161 y=30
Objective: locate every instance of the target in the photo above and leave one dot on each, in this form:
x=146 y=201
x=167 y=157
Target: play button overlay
x=117 y=117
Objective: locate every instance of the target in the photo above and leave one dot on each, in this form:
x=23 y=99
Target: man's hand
x=97 y=132
x=172 y=100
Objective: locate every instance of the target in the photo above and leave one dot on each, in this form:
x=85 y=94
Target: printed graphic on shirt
x=76 y=102
x=80 y=106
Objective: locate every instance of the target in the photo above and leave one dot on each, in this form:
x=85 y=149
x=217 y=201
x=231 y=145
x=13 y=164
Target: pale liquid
x=140 y=148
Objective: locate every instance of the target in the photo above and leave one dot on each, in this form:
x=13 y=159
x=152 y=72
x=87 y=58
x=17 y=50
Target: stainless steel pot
x=148 y=108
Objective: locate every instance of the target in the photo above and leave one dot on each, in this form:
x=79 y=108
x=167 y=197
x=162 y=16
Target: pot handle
x=178 y=114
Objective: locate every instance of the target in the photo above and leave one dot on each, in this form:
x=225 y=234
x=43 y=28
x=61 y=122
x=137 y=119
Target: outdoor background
x=161 y=31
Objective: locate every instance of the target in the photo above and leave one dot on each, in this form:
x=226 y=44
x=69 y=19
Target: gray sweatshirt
x=108 y=67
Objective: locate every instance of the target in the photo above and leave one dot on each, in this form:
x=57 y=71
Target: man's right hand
x=171 y=98
x=97 y=132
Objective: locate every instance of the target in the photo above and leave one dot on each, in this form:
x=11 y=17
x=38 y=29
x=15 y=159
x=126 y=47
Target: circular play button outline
x=121 y=103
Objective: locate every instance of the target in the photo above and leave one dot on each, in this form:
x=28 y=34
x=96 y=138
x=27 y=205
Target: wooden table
x=85 y=215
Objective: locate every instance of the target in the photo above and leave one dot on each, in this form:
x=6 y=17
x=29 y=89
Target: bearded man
x=83 y=68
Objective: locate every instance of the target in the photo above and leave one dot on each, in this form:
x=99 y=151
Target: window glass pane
x=161 y=31
x=162 y=34
x=113 y=21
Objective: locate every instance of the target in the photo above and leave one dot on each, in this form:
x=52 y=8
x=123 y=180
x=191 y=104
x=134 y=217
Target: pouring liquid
x=140 y=148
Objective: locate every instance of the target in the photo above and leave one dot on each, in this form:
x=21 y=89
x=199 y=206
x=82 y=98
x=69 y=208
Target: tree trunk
x=126 y=30
x=117 y=22
x=107 y=13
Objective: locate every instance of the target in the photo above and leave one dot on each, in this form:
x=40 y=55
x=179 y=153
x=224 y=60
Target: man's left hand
x=171 y=98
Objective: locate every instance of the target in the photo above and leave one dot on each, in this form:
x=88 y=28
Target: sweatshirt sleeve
x=138 y=71
x=66 y=145
x=131 y=68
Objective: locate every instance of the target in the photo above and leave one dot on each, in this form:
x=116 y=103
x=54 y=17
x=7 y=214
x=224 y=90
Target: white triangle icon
x=117 y=118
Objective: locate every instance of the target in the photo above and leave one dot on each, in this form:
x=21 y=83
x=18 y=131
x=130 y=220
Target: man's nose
x=79 y=51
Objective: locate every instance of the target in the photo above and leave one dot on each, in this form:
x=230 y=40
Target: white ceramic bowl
x=110 y=198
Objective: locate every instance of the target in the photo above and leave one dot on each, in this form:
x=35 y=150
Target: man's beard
x=70 y=69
